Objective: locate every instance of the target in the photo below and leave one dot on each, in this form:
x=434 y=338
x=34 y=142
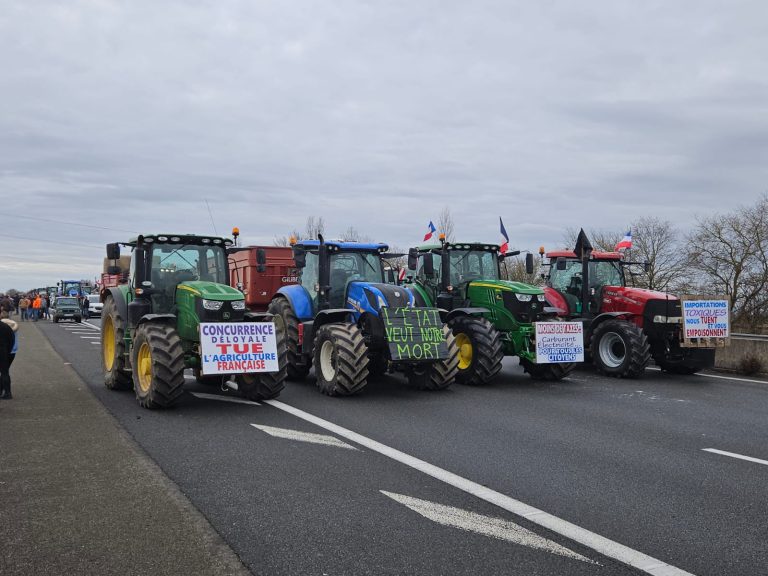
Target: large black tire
x=550 y=372
x=157 y=358
x=341 y=360
x=266 y=385
x=620 y=349
x=287 y=322
x=437 y=375
x=116 y=374
x=480 y=349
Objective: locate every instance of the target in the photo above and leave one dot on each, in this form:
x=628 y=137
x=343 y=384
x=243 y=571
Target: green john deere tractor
x=151 y=325
x=490 y=318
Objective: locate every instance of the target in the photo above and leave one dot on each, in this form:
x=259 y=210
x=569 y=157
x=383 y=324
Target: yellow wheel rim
x=465 y=351
x=108 y=343
x=144 y=361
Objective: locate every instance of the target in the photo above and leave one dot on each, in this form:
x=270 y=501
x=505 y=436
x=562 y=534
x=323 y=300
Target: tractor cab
x=565 y=280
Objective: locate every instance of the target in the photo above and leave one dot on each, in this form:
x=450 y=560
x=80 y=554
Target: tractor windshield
x=355 y=266
x=70 y=288
x=175 y=263
x=601 y=273
x=467 y=265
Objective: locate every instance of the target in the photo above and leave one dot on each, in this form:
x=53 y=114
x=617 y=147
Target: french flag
x=432 y=230
x=626 y=242
x=504 y=248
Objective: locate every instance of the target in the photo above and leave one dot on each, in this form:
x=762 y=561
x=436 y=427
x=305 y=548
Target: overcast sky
x=128 y=116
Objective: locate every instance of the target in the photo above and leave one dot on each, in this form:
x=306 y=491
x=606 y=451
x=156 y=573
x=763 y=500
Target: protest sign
x=704 y=318
x=238 y=347
x=414 y=334
x=558 y=342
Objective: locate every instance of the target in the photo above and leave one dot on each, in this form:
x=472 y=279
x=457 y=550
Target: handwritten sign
x=238 y=347
x=705 y=319
x=558 y=342
x=414 y=334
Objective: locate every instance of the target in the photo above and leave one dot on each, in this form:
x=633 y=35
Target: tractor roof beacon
x=490 y=317
x=624 y=327
x=152 y=314
x=347 y=321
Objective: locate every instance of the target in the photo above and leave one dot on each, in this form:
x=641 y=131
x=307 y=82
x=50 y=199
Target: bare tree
x=513 y=268
x=352 y=234
x=445 y=224
x=730 y=257
x=602 y=240
x=655 y=242
x=314 y=227
x=285 y=240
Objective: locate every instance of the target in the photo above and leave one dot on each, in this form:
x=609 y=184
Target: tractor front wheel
x=116 y=377
x=287 y=323
x=620 y=349
x=441 y=374
x=157 y=358
x=341 y=360
x=547 y=371
x=480 y=349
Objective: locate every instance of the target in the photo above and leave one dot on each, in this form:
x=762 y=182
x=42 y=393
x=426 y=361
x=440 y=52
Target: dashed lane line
x=600 y=544
x=719 y=377
x=304 y=436
x=734 y=455
x=219 y=397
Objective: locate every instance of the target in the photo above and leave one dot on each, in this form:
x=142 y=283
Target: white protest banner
x=238 y=347
x=559 y=342
x=705 y=319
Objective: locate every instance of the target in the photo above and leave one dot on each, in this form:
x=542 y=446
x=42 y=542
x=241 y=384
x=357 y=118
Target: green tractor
x=490 y=318
x=160 y=323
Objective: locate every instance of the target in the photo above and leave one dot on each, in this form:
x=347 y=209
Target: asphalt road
x=624 y=460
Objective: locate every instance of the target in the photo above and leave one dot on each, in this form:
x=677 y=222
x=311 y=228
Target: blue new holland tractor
x=349 y=322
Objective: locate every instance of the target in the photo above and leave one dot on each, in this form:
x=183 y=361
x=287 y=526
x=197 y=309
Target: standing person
x=7 y=305
x=16 y=300
x=86 y=307
x=23 y=307
x=44 y=306
x=36 y=308
x=8 y=348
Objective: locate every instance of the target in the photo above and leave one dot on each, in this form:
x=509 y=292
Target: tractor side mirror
x=113 y=251
x=299 y=257
x=261 y=260
x=510 y=254
x=413 y=259
x=429 y=265
x=529 y=263
x=561 y=264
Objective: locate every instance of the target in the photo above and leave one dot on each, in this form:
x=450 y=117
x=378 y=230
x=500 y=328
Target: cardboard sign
x=558 y=342
x=238 y=347
x=414 y=334
x=705 y=319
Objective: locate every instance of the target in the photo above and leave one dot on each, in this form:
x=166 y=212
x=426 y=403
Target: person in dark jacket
x=7 y=354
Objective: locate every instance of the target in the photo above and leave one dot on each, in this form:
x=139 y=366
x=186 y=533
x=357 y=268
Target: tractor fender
x=120 y=301
x=299 y=298
x=161 y=318
x=600 y=318
x=465 y=312
x=258 y=317
x=323 y=317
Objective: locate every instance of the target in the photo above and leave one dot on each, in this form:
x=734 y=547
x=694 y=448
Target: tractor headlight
x=238 y=305
x=524 y=297
x=541 y=298
x=212 y=304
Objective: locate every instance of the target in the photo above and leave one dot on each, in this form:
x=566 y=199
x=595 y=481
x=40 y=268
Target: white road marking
x=221 y=398
x=734 y=455
x=719 y=377
x=92 y=325
x=91 y=337
x=485 y=525
x=97 y=343
x=303 y=436
x=583 y=536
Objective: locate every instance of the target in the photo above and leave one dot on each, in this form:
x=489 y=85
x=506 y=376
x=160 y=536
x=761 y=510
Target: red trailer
x=260 y=271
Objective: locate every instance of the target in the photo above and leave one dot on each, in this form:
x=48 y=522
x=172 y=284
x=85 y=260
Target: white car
x=94 y=305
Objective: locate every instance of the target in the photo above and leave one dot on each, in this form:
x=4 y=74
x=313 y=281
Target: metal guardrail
x=755 y=337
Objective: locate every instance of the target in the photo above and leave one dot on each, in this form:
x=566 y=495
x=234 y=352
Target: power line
x=51 y=241
x=51 y=221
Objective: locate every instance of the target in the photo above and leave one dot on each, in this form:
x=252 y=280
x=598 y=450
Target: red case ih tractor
x=624 y=327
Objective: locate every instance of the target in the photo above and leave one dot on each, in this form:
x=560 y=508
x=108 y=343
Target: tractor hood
x=364 y=296
x=635 y=295
x=211 y=290
x=517 y=287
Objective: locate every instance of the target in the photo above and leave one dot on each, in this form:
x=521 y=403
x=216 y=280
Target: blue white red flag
x=626 y=242
x=504 y=248
x=430 y=233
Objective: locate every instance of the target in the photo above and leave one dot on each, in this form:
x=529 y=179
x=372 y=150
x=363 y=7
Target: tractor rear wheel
x=550 y=372
x=116 y=377
x=341 y=360
x=158 y=365
x=287 y=322
x=437 y=375
x=619 y=348
x=266 y=385
x=480 y=349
